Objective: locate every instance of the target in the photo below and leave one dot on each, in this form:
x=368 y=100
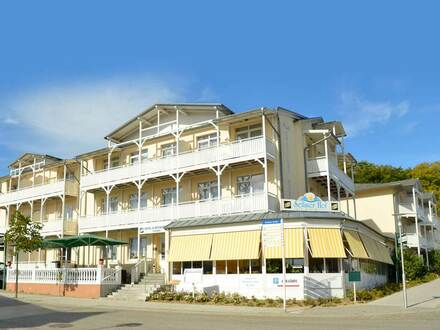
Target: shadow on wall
x=314 y=289
x=17 y=314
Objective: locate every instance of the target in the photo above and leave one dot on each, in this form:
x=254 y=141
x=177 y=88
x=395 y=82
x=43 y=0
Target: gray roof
x=249 y=217
x=397 y=184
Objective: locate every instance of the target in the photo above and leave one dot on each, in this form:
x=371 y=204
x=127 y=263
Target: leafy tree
x=429 y=175
x=414 y=267
x=367 y=172
x=24 y=236
x=434 y=261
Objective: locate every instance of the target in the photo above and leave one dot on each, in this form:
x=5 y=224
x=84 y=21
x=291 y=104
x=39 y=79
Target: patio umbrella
x=81 y=240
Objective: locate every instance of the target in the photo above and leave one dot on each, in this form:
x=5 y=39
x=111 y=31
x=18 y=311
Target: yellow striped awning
x=326 y=243
x=376 y=250
x=355 y=244
x=236 y=245
x=293 y=242
x=190 y=248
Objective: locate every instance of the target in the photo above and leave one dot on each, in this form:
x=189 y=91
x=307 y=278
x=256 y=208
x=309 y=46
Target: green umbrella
x=81 y=240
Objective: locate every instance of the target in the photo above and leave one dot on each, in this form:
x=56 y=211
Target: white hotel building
x=187 y=186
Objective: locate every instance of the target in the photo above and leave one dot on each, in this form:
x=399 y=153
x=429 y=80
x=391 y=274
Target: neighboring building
x=188 y=186
x=384 y=205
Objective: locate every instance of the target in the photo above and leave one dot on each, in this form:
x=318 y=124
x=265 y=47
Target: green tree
x=367 y=172
x=24 y=236
x=429 y=175
x=414 y=267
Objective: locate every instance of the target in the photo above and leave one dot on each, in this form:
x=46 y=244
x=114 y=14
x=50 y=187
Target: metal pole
x=405 y=298
x=284 y=265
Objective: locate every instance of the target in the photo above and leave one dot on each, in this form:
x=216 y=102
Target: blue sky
x=71 y=72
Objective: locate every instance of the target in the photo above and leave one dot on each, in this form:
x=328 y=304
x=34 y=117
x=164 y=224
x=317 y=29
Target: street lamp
x=405 y=299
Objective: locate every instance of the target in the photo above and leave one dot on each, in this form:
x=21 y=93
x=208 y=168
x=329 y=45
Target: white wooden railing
x=240 y=204
x=411 y=241
x=226 y=153
x=318 y=167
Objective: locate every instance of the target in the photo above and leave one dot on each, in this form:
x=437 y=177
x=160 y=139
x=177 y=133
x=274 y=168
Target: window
x=316 y=265
x=112 y=252
x=169 y=149
x=68 y=212
x=231 y=266
x=256 y=266
x=208 y=190
x=250 y=184
x=207 y=141
x=133 y=247
x=114 y=162
x=113 y=206
x=248 y=132
x=197 y=264
x=274 y=266
x=331 y=265
x=207 y=267
x=133 y=201
x=186 y=265
x=162 y=247
x=295 y=265
x=244 y=266
x=143 y=246
x=177 y=268
x=220 y=267
x=134 y=157
x=168 y=196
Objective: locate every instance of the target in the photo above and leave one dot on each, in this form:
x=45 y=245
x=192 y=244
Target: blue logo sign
x=307 y=202
x=276 y=280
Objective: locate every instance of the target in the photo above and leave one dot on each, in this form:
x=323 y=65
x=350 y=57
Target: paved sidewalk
x=422 y=296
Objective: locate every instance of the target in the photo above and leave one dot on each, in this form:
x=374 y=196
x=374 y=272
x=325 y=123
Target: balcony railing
x=36 y=192
x=196 y=159
x=408 y=208
x=318 y=167
x=56 y=227
x=411 y=241
x=208 y=208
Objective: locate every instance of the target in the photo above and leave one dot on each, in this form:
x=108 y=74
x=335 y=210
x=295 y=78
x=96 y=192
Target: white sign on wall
x=155 y=227
x=272 y=232
x=307 y=202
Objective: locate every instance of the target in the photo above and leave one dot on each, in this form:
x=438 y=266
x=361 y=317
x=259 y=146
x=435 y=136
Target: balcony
x=58 y=227
x=209 y=208
x=237 y=151
x=317 y=167
x=39 y=191
x=410 y=240
x=407 y=208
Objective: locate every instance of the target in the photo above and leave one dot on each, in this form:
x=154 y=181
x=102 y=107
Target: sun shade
x=236 y=245
x=81 y=240
x=293 y=245
x=326 y=243
x=355 y=244
x=190 y=248
x=376 y=250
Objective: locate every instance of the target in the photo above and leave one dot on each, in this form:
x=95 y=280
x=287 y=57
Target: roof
x=29 y=157
x=394 y=184
x=335 y=126
x=133 y=123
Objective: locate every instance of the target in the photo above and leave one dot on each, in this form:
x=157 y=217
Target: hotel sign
x=272 y=232
x=307 y=202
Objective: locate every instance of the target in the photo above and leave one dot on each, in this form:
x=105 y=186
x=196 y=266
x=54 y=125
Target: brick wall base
x=78 y=291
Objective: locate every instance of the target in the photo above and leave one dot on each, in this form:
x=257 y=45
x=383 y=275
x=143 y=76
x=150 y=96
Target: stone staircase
x=146 y=286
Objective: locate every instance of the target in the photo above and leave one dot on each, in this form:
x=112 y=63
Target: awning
x=190 y=248
x=376 y=251
x=326 y=243
x=293 y=242
x=236 y=245
x=355 y=244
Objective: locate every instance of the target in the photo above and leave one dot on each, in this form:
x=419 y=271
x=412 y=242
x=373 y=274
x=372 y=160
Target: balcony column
x=344 y=159
x=63 y=205
x=33 y=173
x=338 y=188
x=266 y=181
x=416 y=219
x=354 y=206
x=327 y=159
x=19 y=175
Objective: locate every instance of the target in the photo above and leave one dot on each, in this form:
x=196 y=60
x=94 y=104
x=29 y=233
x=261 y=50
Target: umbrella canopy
x=82 y=240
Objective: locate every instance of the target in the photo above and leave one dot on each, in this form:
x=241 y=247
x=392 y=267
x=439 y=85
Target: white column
x=416 y=219
x=266 y=183
x=327 y=157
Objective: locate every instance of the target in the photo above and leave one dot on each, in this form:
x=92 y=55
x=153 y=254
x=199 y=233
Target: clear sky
x=71 y=72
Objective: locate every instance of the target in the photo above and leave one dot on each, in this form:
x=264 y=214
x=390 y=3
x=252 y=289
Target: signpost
x=273 y=236
x=354 y=277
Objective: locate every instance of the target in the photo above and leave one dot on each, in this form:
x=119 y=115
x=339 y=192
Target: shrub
x=414 y=267
x=434 y=261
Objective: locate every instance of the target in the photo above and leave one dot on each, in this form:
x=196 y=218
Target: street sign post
x=354 y=277
x=273 y=236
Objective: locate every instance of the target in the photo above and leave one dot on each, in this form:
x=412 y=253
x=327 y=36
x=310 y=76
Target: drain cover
x=61 y=325
x=128 y=325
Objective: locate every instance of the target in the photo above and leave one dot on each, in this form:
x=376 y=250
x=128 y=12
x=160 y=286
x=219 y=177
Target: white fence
x=187 y=161
x=240 y=204
x=318 y=167
x=30 y=193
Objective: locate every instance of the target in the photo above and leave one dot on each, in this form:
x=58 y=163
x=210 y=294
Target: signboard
x=193 y=275
x=272 y=233
x=354 y=276
x=158 y=227
x=307 y=202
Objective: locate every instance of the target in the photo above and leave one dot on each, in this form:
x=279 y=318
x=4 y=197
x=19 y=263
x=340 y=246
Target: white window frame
x=134 y=199
x=248 y=132
x=134 y=156
x=209 y=139
x=210 y=187
x=169 y=192
x=168 y=147
x=252 y=181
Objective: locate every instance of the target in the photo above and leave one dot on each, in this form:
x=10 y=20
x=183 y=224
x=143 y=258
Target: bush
x=434 y=261
x=414 y=267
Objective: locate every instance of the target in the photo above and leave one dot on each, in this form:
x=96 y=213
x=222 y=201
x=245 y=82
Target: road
x=55 y=313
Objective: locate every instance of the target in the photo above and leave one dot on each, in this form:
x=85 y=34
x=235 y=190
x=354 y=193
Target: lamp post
x=405 y=299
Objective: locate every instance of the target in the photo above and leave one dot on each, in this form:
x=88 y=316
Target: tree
x=429 y=175
x=24 y=236
x=367 y=172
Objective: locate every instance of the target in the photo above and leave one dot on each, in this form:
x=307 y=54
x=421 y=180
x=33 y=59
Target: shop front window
x=332 y=265
x=231 y=266
x=243 y=266
x=220 y=267
x=316 y=265
x=295 y=265
x=186 y=265
x=177 y=268
x=274 y=266
x=207 y=267
x=256 y=266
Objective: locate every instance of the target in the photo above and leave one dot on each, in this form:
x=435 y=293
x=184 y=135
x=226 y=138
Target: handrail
x=134 y=271
x=112 y=274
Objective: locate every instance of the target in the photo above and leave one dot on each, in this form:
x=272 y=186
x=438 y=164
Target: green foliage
x=367 y=172
x=414 y=267
x=429 y=175
x=24 y=234
x=434 y=261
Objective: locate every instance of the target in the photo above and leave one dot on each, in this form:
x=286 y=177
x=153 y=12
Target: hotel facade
x=190 y=188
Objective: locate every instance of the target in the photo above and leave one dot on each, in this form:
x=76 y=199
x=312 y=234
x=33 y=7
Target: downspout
x=280 y=154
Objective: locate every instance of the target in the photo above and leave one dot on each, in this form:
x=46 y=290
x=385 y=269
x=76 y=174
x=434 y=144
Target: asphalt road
x=64 y=313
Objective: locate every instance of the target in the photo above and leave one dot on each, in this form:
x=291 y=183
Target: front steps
x=139 y=291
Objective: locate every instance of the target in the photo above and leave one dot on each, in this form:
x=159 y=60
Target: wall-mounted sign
x=155 y=227
x=272 y=232
x=307 y=202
